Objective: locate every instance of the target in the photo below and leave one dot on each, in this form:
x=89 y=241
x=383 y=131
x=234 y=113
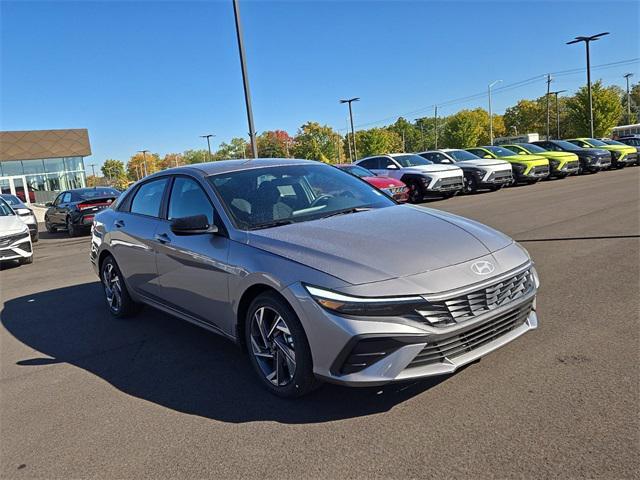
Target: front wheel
x=278 y=347
x=26 y=261
x=416 y=193
x=50 y=228
x=470 y=185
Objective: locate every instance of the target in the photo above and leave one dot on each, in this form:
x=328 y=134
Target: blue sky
x=157 y=74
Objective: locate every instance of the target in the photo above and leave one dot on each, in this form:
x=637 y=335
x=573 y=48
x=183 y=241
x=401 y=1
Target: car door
x=61 y=209
x=389 y=168
x=132 y=235
x=193 y=271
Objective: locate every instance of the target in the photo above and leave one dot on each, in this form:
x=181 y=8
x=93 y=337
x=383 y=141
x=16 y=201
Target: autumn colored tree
x=137 y=167
x=317 y=142
x=464 y=129
x=274 y=144
x=171 y=160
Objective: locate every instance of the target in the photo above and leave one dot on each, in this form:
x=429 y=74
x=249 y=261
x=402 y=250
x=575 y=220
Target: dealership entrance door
x=16 y=185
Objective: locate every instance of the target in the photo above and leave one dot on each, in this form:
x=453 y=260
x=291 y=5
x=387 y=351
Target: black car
x=634 y=141
x=74 y=210
x=591 y=159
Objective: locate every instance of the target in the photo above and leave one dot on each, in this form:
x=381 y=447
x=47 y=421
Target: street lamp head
x=494 y=83
x=557 y=92
x=349 y=100
x=588 y=39
x=207 y=136
x=627 y=75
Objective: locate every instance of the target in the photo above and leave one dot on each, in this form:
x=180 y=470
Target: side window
x=148 y=198
x=370 y=163
x=387 y=162
x=188 y=199
x=431 y=156
x=58 y=200
x=66 y=197
x=478 y=152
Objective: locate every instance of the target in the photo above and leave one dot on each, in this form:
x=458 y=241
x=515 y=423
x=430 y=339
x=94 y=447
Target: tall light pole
x=245 y=80
x=491 y=85
x=208 y=137
x=548 y=100
x=144 y=159
x=586 y=41
x=627 y=76
x=556 y=93
x=93 y=169
x=353 y=132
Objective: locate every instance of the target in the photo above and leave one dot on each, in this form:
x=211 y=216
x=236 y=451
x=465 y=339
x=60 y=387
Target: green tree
x=527 y=116
x=607 y=110
x=376 y=141
x=464 y=129
x=236 y=148
x=195 y=156
x=634 y=92
x=410 y=135
x=317 y=142
x=113 y=169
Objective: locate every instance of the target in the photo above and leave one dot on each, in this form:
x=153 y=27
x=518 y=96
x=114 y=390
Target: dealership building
x=37 y=164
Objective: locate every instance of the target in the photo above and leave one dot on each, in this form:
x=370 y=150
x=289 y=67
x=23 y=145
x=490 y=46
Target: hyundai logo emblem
x=482 y=267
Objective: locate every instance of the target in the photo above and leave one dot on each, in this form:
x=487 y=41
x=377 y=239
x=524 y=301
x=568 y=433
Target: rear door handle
x=162 y=238
x=118 y=224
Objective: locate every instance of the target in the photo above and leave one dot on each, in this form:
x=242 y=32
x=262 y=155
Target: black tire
x=449 y=194
x=280 y=345
x=124 y=306
x=26 y=261
x=416 y=192
x=470 y=184
x=50 y=228
x=533 y=181
x=72 y=230
x=495 y=188
x=35 y=238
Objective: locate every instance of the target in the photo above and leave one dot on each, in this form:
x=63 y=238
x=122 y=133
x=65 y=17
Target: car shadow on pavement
x=172 y=363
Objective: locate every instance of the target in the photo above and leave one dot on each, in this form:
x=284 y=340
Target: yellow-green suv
x=526 y=168
x=562 y=164
x=621 y=155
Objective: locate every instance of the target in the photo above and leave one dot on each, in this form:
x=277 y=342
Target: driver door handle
x=162 y=238
x=118 y=223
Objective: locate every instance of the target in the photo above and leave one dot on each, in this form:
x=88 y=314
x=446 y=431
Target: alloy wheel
x=112 y=287
x=272 y=346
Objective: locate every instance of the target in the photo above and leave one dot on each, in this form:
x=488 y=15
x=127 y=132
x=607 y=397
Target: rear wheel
x=116 y=294
x=278 y=347
x=72 y=230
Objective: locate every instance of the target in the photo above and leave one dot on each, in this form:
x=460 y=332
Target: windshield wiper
x=275 y=223
x=346 y=211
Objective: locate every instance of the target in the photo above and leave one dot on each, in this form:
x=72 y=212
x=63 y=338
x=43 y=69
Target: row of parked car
x=444 y=173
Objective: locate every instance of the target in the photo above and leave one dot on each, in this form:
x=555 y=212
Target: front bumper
x=532 y=173
x=445 y=185
x=566 y=168
x=15 y=247
x=420 y=350
x=498 y=178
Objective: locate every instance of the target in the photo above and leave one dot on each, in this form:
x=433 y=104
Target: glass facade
x=47 y=174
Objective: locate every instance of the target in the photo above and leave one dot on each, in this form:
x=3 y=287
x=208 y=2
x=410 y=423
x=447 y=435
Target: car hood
x=526 y=159
x=620 y=148
x=383 y=182
x=598 y=152
x=482 y=162
x=380 y=244
x=559 y=155
x=436 y=167
x=10 y=225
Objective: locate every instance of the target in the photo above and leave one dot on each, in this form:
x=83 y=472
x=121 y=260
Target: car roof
x=227 y=166
x=9 y=195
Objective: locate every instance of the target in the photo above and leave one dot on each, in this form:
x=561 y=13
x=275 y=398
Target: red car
x=392 y=187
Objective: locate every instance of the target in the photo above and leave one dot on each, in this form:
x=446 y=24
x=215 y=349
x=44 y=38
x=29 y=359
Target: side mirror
x=392 y=166
x=445 y=160
x=487 y=156
x=48 y=204
x=194 y=225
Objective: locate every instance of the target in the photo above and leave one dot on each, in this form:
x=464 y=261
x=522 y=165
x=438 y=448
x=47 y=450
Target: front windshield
x=359 y=171
x=566 y=145
x=614 y=142
x=271 y=196
x=596 y=143
x=531 y=148
x=11 y=199
x=411 y=160
x=5 y=209
x=462 y=155
x=501 y=151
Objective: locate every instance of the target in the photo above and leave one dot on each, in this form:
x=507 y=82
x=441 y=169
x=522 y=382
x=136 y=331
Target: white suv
x=15 y=240
x=423 y=177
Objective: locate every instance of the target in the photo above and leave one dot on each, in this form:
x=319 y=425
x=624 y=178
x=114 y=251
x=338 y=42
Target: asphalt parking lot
x=86 y=396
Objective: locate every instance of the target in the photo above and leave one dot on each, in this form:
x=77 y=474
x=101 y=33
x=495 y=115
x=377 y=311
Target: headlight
x=367 y=306
x=589 y=158
x=615 y=155
x=536 y=278
x=518 y=167
x=554 y=163
x=425 y=179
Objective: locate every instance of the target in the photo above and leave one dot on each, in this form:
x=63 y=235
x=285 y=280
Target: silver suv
x=318 y=275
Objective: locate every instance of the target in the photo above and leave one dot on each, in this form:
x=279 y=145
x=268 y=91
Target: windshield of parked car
x=271 y=196
x=411 y=160
x=566 y=145
x=613 y=142
x=11 y=199
x=500 y=151
x=462 y=155
x=596 y=143
x=531 y=148
x=89 y=193
x=358 y=171
x=5 y=209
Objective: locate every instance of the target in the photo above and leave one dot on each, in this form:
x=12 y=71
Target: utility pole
x=208 y=137
x=435 y=127
x=548 y=112
x=144 y=159
x=418 y=120
x=627 y=76
x=93 y=169
x=490 y=112
x=556 y=93
x=353 y=132
x=586 y=41
x=245 y=79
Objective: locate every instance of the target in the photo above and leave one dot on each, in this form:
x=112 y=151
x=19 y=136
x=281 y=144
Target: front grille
x=540 y=170
x=457 y=344
x=449 y=183
x=570 y=166
x=464 y=307
x=498 y=177
x=9 y=239
x=605 y=160
x=394 y=190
